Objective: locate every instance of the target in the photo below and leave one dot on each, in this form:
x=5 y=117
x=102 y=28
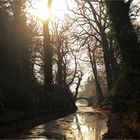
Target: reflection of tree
x=78 y=127
x=85 y=127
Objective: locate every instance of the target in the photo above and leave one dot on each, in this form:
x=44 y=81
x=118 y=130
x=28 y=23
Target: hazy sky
x=58 y=9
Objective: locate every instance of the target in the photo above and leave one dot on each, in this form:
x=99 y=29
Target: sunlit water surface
x=85 y=124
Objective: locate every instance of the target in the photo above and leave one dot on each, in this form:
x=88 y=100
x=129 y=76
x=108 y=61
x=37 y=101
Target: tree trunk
x=115 y=68
x=78 y=85
x=94 y=68
x=125 y=35
x=48 y=53
x=64 y=73
x=127 y=86
x=104 y=43
x=60 y=65
x=107 y=61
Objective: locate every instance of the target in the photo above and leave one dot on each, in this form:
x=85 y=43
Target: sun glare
x=41 y=10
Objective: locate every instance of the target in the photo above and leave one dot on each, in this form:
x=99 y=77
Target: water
x=85 y=124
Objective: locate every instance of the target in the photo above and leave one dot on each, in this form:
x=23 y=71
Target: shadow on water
x=85 y=124
x=50 y=135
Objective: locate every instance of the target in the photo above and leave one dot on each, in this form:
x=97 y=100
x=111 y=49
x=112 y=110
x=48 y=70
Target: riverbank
x=121 y=126
x=125 y=126
x=23 y=107
x=16 y=124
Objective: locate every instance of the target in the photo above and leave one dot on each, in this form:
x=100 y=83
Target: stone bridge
x=88 y=99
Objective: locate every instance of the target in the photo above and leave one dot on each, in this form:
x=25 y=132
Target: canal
x=85 y=124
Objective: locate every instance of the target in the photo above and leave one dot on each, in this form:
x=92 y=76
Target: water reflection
x=85 y=124
x=85 y=127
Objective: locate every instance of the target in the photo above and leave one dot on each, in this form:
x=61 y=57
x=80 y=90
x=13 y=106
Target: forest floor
x=11 y=128
x=124 y=126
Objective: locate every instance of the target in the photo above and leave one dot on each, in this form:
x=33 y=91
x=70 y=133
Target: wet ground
x=85 y=124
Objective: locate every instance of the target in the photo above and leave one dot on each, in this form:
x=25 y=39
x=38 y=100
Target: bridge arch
x=88 y=99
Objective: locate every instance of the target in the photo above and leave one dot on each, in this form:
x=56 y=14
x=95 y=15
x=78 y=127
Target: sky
x=58 y=9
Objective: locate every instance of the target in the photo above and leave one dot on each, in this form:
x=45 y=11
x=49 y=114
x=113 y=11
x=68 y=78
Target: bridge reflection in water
x=85 y=124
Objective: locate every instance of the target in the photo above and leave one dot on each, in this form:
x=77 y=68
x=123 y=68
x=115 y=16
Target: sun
x=41 y=10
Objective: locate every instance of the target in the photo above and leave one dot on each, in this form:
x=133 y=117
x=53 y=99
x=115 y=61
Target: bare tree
x=92 y=20
x=93 y=63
